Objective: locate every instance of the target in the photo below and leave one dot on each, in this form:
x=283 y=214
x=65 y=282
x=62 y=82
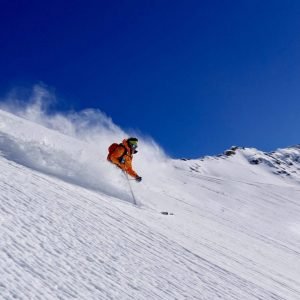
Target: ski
x=166 y=213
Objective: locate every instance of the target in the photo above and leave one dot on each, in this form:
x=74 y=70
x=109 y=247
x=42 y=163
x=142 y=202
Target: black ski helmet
x=132 y=141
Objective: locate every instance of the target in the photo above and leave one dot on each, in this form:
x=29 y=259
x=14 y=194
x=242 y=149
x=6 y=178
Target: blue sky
x=197 y=76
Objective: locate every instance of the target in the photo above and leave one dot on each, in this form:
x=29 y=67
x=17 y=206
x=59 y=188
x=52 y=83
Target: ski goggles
x=133 y=144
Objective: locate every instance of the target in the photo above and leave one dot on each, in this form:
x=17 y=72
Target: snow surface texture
x=68 y=229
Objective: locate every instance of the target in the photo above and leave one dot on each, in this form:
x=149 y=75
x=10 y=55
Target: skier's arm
x=129 y=170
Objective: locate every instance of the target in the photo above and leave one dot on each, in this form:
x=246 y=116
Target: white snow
x=68 y=229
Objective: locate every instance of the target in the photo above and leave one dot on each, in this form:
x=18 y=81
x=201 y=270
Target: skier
x=122 y=154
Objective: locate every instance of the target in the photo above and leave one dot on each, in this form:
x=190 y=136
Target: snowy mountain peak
x=249 y=163
x=282 y=161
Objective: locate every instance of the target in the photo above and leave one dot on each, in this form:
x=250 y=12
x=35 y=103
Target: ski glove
x=138 y=178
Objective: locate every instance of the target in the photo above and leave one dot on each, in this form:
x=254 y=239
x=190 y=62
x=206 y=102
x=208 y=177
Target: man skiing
x=122 y=154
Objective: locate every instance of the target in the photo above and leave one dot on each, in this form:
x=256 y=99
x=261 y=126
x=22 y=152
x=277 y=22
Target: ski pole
x=130 y=188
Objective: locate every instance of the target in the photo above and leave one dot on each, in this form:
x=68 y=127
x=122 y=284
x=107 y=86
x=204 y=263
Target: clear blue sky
x=197 y=76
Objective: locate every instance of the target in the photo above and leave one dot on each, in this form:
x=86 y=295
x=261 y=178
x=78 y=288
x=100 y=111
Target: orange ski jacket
x=126 y=155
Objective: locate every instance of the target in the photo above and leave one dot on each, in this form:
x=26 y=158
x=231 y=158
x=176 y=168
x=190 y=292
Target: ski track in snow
x=95 y=257
x=230 y=238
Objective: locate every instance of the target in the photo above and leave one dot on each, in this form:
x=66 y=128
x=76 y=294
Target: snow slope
x=69 y=231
